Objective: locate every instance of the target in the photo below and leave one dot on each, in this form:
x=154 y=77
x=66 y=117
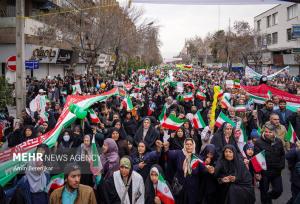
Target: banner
x=262 y=90
x=9 y=168
x=250 y=73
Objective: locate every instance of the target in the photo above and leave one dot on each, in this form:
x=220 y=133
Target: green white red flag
x=269 y=95
x=240 y=108
x=195 y=161
x=173 y=123
x=225 y=102
x=163 y=116
x=236 y=84
x=127 y=103
x=93 y=116
x=198 y=121
x=128 y=86
x=201 y=96
x=163 y=191
x=222 y=118
x=95 y=163
x=9 y=168
x=291 y=136
x=188 y=97
x=56 y=182
x=259 y=162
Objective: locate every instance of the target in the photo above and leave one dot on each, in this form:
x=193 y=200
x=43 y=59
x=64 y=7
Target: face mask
x=66 y=138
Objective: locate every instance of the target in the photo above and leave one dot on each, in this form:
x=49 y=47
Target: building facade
x=276 y=35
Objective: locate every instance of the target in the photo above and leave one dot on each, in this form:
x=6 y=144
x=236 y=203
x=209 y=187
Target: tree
x=92 y=28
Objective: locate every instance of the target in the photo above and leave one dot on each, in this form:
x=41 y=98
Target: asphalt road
x=286 y=195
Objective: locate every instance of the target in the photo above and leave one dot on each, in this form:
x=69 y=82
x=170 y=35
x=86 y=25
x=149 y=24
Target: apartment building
x=278 y=31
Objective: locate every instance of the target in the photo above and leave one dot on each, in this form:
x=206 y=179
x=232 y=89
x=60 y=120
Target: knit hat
x=254 y=134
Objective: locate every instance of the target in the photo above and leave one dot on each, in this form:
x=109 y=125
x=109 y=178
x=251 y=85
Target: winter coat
x=85 y=195
x=274 y=153
x=293 y=157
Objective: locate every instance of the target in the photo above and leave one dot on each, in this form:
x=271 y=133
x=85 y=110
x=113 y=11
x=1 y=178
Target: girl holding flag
x=157 y=190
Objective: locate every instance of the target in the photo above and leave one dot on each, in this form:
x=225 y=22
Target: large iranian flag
x=198 y=121
x=173 y=123
x=222 y=118
x=163 y=191
x=9 y=168
x=291 y=136
x=259 y=162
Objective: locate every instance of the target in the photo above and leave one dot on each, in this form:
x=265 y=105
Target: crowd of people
x=136 y=151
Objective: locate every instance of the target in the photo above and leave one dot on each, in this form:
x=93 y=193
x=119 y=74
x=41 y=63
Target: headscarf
x=36 y=177
x=187 y=168
x=149 y=187
x=111 y=155
x=210 y=148
x=235 y=167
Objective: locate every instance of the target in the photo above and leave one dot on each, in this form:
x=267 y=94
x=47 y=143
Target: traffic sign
x=32 y=64
x=11 y=63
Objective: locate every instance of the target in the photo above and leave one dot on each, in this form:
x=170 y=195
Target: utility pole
x=20 y=85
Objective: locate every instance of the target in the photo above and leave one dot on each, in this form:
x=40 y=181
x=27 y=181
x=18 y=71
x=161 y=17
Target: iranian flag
x=243 y=138
x=128 y=86
x=259 y=162
x=257 y=99
x=163 y=191
x=240 y=108
x=222 y=118
x=188 y=97
x=56 y=182
x=221 y=92
x=173 y=123
x=291 y=136
x=269 y=95
x=236 y=84
x=190 y=84
x=200 y=95
x=137 y=89
x=93 y=116
x=127 y=103
x=195 y=161
x=225 y=102
x=95 y=163
x=9 y=167
x=163 y=116
x=198 y=121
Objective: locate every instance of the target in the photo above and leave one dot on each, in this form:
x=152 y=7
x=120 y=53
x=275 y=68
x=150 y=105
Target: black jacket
x=274 y=153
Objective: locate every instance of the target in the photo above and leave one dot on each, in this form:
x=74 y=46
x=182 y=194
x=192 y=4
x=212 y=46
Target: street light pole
x=20 y=85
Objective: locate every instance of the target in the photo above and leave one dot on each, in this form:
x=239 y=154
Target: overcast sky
x=178 y=22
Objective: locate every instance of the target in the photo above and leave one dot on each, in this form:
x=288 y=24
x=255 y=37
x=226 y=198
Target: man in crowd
x=275 y=161
x=283 y=113
x=264 y=114
x=73 y=192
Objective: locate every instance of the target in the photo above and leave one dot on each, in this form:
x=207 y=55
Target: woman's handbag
x=176 y=187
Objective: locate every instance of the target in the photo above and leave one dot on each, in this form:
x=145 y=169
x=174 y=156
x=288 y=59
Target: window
x=258 y=25
x=259 y=41
x=269 y=39
x=275 y=18
x=268 y=21
x=289 y=34
x=292 y=11
x=274 y=38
